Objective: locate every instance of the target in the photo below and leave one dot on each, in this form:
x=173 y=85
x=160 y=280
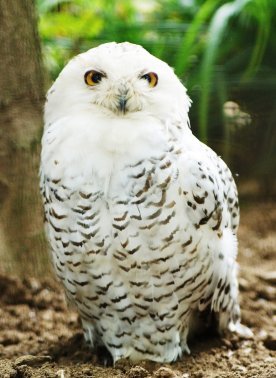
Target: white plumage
x=141 y=216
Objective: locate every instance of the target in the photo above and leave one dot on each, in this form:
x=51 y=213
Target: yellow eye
x=152 y=78
x=93 y=77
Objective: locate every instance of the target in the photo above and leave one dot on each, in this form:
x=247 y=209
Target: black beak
x=122 y=104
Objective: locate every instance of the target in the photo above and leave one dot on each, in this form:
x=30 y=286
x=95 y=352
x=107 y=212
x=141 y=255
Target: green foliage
x=216 y=31
x=214 y=45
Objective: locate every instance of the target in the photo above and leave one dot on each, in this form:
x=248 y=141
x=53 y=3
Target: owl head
x=120 y=80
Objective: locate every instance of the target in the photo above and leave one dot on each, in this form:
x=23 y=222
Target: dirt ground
x=41 y=337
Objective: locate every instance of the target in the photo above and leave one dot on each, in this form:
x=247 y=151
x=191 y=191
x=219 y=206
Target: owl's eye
x=152 y=78
x=93 y=77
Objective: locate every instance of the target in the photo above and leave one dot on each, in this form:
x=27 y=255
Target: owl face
x=117 y=80
x=120 y=92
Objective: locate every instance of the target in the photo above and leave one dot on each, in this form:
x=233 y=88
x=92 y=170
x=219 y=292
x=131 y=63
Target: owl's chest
x=134 y=201
x=145 y=212
x=136 y=207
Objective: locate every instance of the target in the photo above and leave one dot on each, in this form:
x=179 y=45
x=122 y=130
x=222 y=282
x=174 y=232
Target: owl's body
x=140 y=215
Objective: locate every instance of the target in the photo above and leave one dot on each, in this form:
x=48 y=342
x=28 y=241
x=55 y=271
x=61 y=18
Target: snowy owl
x=140 y=215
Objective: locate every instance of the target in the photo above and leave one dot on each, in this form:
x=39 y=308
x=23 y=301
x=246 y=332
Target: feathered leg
x=225 y=304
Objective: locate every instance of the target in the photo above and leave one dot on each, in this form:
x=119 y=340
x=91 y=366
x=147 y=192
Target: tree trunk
x=21 y=82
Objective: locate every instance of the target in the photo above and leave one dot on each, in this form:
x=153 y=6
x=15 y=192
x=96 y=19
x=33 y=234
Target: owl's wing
x=210 y=191
x=211 y=205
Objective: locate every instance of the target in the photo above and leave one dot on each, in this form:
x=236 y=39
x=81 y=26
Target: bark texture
x=21 y=96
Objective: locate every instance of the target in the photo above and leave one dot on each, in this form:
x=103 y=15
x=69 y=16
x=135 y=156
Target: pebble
x=239 y=368
x=229 y=353
x=137 y=372
x=270 y=359
x=34 y=284
x=243 y=284
x=227 y=343
x=262 y=335
x=270 y=343
x=198 y=374
x=268 y=293
x=87 y=371
x=11 y=338
x=269 y=277
x=30 y=360
x=165 y=372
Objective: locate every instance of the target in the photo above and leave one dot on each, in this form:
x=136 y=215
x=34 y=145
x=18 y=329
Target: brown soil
x=40 y=337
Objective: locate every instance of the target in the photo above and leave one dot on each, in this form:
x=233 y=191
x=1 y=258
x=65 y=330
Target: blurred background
x=223 y=51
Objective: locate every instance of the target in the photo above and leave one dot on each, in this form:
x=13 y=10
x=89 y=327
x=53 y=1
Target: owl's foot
x=241 y=330
x=104 y=357
x=229 y=322
x=228 y=326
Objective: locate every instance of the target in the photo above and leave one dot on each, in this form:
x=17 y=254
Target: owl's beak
x=122 y=104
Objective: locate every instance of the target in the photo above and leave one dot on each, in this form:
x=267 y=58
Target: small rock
x=44 y=299
x=199 y=374
x=137 y=372
x=165 y=372
x=87 y=371
x=269 y=277
x=30 y=360
x=229 y=354
x=10 y=338
x=239 y=368
x=243 y=284
x=270 y=343
x=268 y=292
x=262 y=335
x=270 y=359
x=34 y=285
x=247 y=350
x=48 y=315
x=227 y=343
